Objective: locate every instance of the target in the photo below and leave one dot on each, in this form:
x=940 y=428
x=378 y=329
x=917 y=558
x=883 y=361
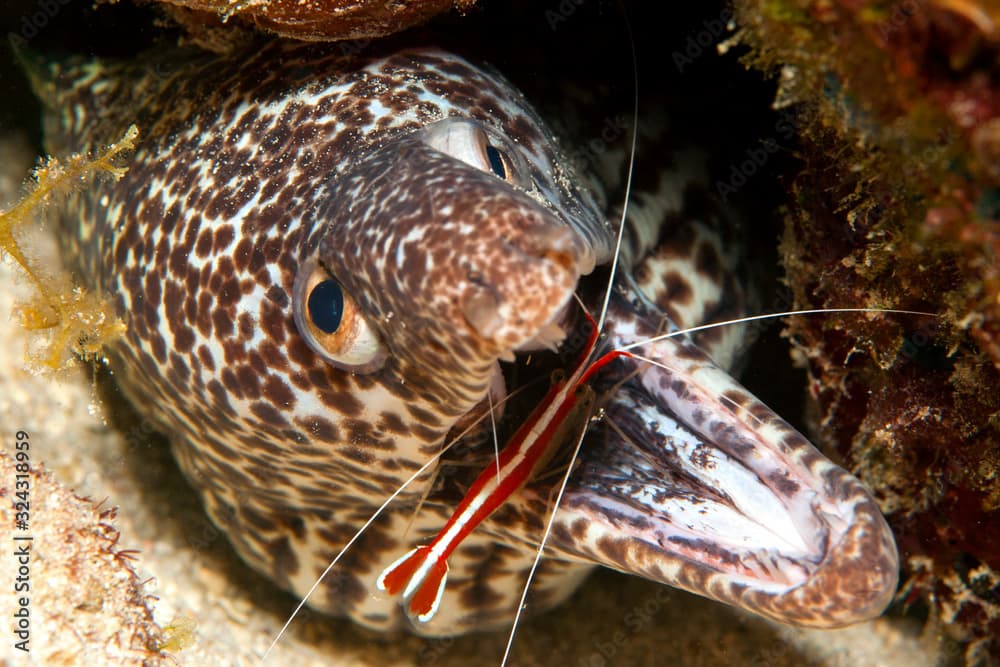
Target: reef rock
x=897 y=205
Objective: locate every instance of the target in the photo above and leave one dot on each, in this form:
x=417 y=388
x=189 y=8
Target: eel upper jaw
x=693 y=482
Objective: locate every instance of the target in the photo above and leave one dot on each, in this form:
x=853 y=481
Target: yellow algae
x=179 y=634
x=76 y=321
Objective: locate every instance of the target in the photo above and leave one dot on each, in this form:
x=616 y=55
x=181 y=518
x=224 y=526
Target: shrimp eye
x=332 y=324
x=498 y=161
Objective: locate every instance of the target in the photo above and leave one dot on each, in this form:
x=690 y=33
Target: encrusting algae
x=897 y=203
x=179 y=634
x=89 y=606
x=78 y=322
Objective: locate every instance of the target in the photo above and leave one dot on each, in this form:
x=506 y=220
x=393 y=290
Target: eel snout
x=475 y=260
x=514 y=297
x=693 y=482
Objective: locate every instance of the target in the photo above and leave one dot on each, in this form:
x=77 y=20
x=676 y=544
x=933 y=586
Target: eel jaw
x=693 y=482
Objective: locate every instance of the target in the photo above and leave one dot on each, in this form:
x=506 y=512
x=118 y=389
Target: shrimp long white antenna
x=767 y=316
x=541 y=546
x=378 y=512
x=493 y=425
x=333 y=563
x=599 y=324
x=629 y=173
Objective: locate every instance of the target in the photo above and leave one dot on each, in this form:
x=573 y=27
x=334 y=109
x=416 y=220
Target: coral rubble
x=85 y=601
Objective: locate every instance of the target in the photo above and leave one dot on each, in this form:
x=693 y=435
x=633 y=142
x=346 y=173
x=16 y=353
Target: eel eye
x=498 y=161
x=478 y=146
x=326 y=306
x=332 y=324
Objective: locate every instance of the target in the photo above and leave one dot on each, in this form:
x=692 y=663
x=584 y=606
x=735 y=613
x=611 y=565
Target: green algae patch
x=70 y=321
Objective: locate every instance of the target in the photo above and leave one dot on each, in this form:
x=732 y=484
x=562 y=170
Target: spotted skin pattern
x=252 y=168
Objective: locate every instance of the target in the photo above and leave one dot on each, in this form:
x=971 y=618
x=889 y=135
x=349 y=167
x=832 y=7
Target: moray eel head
x=436 y=266
x=448 y=264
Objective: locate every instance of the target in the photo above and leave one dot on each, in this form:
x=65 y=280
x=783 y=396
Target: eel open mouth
x=691 y=481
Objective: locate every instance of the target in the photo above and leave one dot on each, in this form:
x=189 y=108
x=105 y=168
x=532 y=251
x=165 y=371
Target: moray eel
x=329 y=264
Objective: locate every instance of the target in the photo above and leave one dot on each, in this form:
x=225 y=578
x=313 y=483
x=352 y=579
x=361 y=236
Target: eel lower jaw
x=690 y=481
